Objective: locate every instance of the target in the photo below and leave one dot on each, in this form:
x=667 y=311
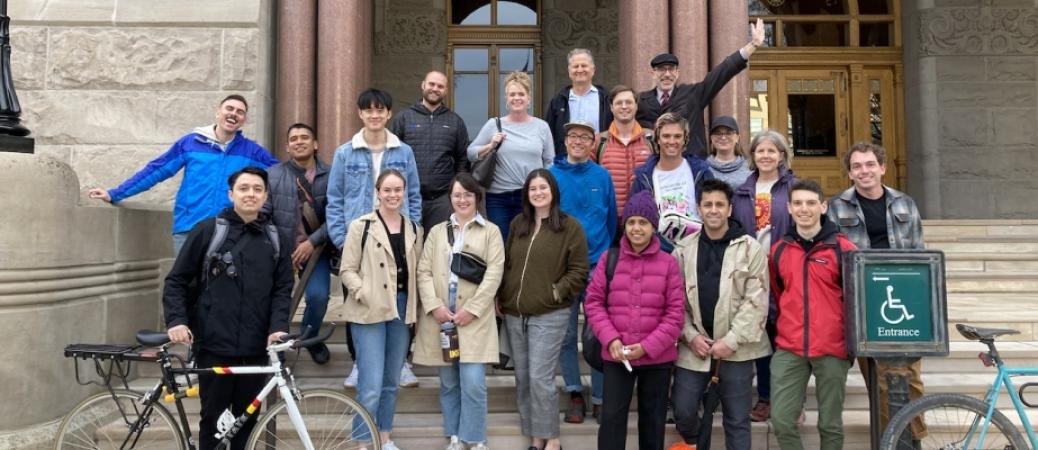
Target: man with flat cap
x=689 y=100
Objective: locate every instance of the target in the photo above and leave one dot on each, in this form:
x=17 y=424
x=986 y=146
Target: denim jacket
x=351 y=186
x=904 y=226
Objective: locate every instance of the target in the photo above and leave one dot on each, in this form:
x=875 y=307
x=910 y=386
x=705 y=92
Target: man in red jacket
x=807 y=278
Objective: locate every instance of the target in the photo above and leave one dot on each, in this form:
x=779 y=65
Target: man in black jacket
x=583 y=101
x=689 y=100
x=439 y=139
x=233 y=305
x=296 y=203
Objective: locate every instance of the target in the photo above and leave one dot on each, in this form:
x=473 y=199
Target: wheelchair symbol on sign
x=894 y=304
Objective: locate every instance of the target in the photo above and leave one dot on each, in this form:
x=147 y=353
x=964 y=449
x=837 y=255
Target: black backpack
x=220 y=235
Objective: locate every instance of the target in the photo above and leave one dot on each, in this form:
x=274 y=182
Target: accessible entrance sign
x=895 y=303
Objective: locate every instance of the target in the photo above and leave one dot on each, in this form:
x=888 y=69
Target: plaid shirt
x=904 y=226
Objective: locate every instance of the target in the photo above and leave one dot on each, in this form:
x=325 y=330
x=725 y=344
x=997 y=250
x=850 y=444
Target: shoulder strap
x=838 y=252
x=275 y=240
x=215 y=242
x=603 y=137
x=450 y=233
x=364 y=237
x=774 y=266
x=497 y=120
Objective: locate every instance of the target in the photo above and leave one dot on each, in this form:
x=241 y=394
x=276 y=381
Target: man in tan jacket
x=726 y=282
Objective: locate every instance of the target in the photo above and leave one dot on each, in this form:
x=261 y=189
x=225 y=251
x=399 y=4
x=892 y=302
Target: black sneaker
x=320 y=353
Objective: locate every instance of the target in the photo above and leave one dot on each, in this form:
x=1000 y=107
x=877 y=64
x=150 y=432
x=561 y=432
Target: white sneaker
x=407 y=378
x=390 y=446
x=455 y=444
x=351 y=380
x=479 y=446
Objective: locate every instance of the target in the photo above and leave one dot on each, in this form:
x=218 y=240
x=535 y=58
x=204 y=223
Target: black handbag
x=465 y=265
x=483 y=169
x=591 y=347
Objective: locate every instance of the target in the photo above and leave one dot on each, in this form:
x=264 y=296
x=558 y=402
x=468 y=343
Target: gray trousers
x=736 y=389
x=536 y=342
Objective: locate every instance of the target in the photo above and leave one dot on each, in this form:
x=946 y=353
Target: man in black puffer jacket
x=439 y=139
x=232 y=307
x=581 y=101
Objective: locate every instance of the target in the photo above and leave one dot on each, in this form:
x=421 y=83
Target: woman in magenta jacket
x=639 y=323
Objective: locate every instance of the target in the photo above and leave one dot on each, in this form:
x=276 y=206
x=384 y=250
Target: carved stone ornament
x=596 y=30
x=412 y=33
x=979 y=31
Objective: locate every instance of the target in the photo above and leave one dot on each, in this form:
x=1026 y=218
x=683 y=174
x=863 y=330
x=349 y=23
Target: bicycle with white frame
x=120 y=418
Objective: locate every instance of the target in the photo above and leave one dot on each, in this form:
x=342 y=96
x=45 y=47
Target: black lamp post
x=10 y=110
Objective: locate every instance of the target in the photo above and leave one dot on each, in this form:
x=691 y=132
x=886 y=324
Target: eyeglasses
x=665 y=69
x=463 y=195
x=726 y=134
x=580 y=137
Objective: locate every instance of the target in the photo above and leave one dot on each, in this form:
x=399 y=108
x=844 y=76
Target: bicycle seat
x=982 y=334
x=152 y=338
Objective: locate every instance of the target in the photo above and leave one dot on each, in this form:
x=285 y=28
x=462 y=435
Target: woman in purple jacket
x=638 y=324
x=760 y=207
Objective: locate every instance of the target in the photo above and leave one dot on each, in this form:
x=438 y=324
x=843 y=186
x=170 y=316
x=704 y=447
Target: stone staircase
x=992 y=269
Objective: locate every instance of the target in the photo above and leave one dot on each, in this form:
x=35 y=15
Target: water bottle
x=449 y=342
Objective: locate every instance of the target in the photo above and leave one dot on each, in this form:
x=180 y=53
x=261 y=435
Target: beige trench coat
x=478 y=339
x=742 y=304
x=371 y=278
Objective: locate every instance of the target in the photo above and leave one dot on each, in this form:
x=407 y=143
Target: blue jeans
x=503 y=207
x=178 y=242
x=317 y=291
x=569 y=360
x=381 y=350
x=463 y=399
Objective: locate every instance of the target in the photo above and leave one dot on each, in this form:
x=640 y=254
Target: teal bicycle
x=960 y=422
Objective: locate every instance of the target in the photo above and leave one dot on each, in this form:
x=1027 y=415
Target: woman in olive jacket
x=545 y=269
x=378 y=269
x=449 y=301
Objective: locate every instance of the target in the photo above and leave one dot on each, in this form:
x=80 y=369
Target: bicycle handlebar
x=316 y=339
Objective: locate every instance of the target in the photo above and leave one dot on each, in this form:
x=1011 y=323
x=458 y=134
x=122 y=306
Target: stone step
x=501 y=394
x=972 y=282
x=941 y=228
x=991 y=262
x=422 y=431
x=984 y=245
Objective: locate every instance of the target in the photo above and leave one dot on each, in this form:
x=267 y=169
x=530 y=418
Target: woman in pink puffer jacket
x=639 y=323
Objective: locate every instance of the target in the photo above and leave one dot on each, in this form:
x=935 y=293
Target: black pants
x=653 y=386
x=219 y=392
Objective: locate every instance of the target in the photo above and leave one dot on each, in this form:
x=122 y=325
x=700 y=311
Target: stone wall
x=590 y=24
x=68 y=274
x=106 y=86
x=971 y=105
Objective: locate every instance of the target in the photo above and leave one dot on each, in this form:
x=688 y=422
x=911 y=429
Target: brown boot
x=761 y=411
x=575 y=413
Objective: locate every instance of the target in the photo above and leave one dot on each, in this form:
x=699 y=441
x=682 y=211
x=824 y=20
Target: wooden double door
x=823 y=110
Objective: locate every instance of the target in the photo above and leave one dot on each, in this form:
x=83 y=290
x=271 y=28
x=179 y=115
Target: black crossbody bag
x=465 y=265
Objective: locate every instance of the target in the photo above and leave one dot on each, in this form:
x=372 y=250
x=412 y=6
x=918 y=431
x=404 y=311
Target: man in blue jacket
x=590 y=198
x=208 y=155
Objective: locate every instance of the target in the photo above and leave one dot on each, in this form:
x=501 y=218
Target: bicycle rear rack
x=109 y=361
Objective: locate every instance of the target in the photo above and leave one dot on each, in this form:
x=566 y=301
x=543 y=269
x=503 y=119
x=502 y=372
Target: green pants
x=789 y=376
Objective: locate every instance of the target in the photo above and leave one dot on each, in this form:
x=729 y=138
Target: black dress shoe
x=320 y=353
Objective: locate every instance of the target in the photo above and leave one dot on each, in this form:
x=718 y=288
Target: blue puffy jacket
x=203 y=192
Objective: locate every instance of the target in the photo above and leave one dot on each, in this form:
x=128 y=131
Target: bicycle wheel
x=950 y=420
x=333 y=421
x=103 y=422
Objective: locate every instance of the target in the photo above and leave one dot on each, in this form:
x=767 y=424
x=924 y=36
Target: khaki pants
x=915 y=390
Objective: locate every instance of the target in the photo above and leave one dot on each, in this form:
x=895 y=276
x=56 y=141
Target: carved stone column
x=690 y=38
x=296 y=69
x=642 y=36
x=343 y=69
x=728 y=32
x=10 y=110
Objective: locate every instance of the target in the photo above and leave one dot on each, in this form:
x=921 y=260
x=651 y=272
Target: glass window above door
x=494 y=12
x=828 y=23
